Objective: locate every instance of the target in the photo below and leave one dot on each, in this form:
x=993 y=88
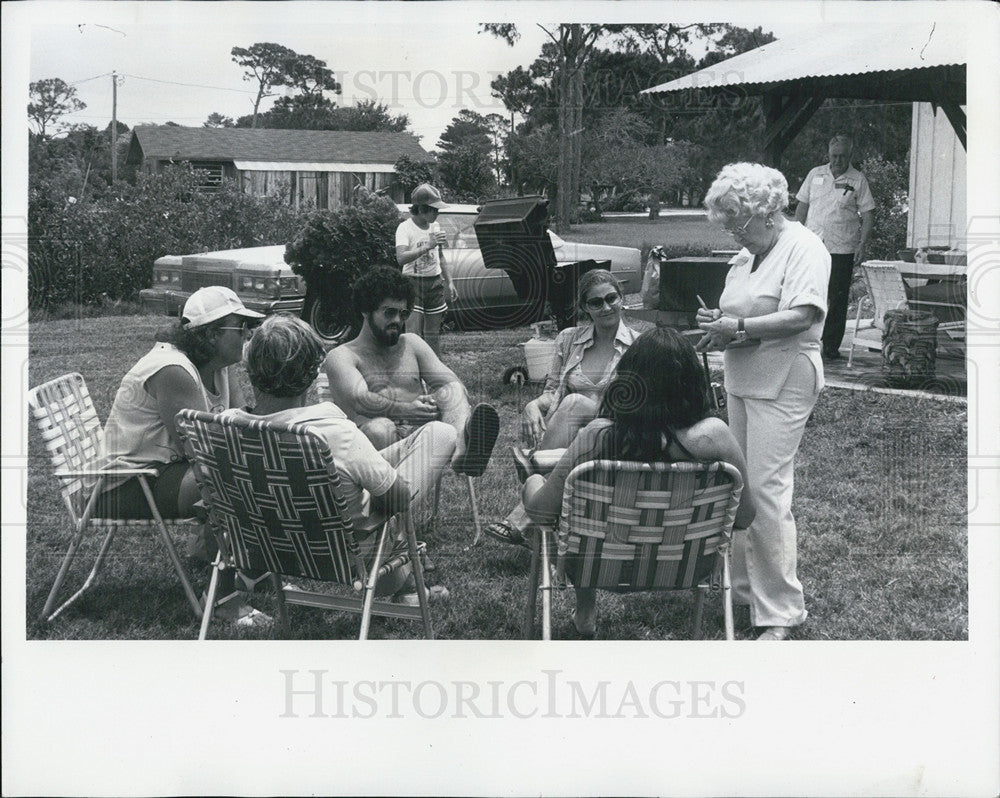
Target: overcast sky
x=174 y=63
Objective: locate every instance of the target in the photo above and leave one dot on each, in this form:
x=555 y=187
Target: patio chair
x=320 y=392
x=887 y=291
x=274 y=504
x=74 y=437
x=633 y=527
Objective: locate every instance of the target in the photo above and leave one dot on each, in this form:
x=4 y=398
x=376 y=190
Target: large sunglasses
x=243 y=328
x=395 y=313
x=598 y=302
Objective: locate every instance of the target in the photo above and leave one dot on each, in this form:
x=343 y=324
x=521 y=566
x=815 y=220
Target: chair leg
x=699 y=603
x=418 y=575
x=370 y=583
x=74 y=544
x=533 y=571
x=727 y=597
x=171 y=551
x=105 y=545
x=279 y=591
x=475 y=510
x=213 y=589
x=546 y=585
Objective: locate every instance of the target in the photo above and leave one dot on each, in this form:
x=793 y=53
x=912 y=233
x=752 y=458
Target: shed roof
x=265 y=144
x=900 y=62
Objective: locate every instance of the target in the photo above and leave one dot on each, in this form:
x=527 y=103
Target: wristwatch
x=741 y=330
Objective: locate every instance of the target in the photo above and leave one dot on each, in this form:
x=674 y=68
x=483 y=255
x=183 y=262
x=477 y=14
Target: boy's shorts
x=429 y=294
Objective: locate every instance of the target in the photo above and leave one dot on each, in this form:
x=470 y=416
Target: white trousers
x=421 y=458
x=764 y=556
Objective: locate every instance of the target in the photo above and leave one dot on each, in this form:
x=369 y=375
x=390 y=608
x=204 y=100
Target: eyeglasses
x=598 y=302
x=395 y=313
x=738 y=230
x=243 y=328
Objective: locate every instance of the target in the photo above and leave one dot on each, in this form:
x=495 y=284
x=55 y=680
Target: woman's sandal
x=505 y=533
x=522 y=462
x=776 y=633
x=435 y=594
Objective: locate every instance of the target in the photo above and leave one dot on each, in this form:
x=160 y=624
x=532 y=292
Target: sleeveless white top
x=135 y=436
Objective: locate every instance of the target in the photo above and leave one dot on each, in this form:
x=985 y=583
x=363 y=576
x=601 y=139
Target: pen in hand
x=701 y=302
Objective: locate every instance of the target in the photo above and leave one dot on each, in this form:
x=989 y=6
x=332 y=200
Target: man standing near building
x=836 y=204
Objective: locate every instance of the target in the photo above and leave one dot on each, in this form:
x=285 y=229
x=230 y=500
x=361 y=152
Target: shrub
x=103 y=250
x=345 y=242
x=889 y=182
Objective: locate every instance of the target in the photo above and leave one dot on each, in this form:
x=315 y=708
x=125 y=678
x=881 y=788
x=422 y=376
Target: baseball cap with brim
x=213 y=303
x=426 y=194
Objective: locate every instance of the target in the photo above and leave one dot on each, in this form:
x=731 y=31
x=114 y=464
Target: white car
x=487 y=294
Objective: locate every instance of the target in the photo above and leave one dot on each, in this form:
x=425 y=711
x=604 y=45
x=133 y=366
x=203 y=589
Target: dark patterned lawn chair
x=68 y=423
x=273 y=499
x=631 y=527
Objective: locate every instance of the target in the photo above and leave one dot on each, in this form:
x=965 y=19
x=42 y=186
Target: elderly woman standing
x=769 y=324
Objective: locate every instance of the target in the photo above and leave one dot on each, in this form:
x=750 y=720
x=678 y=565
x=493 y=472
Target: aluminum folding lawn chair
x=634 y=527
x=68 y=423
x=274 y=503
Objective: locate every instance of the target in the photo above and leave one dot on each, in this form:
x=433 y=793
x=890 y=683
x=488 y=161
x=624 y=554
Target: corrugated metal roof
x=833 y=50
x=264 y=144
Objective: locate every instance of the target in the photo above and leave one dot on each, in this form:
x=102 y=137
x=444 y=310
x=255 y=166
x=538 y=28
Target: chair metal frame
x=320 y=390
x=680 y=515
x=74 y=437
x=273 y=499
x=887 y=291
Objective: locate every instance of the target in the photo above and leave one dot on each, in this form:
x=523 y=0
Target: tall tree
x=215 y=119
x=465 y=159
x=266 y=63
x=50 y=99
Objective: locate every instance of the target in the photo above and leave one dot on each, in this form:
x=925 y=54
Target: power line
x=78 y=82
x=190 y=85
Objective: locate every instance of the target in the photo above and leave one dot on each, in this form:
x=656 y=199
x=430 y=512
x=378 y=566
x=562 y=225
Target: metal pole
x=114 y=127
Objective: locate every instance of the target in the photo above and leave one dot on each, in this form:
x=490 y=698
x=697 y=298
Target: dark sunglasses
x=598 y=302
x=395 y=313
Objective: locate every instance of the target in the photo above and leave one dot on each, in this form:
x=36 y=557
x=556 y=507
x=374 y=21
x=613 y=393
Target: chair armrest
x=108 y=472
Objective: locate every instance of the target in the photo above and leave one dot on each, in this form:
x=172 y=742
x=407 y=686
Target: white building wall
x=937 y=214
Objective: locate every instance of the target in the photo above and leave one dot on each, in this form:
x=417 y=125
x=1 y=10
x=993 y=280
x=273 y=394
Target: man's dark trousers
x=841 y=270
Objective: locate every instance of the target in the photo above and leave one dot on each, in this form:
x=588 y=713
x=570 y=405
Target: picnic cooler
x=683 y=280
x=909 y=348
x=513 y=236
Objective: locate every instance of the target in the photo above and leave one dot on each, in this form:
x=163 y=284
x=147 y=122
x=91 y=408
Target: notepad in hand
x=746 y=342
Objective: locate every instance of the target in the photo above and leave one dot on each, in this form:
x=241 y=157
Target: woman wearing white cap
x=418 y=251
x=189 y=370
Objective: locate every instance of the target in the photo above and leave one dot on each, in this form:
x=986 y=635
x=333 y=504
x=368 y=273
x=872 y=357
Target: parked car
x=487 y=294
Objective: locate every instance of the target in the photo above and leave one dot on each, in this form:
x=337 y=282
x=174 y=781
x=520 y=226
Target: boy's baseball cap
x=426 y=194
x=212 y=303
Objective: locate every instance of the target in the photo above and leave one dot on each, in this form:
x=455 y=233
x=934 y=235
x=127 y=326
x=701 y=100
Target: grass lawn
x=880 y=503
x=634 y=231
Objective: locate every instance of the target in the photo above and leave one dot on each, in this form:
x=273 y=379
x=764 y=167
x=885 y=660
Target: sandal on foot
x=435 y=595
x=522 y=462
x=505 y=533
x=776 y=633
x=481 y=432
x=234 y=609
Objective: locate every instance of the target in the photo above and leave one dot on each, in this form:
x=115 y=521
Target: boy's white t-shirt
x=410 y=236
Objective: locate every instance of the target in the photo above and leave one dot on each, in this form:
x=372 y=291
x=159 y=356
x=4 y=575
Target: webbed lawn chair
x=273 y=501
x=68 y=423
x=634 y=527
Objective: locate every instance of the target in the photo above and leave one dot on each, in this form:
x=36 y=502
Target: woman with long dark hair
x=656 y=409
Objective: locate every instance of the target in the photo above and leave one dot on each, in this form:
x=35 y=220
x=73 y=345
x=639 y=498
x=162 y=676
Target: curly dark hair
x=372 y=288
x=284 y=356
x=659 y=387
x=198 y=343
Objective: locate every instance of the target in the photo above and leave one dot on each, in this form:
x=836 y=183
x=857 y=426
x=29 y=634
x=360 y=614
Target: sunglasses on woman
x=598 y=302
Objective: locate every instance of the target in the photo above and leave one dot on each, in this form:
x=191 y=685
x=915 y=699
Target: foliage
x=889 y=183
x=346 y=242
x=50 y=99
x=409 y=173
x=466 y=161
x=103 y=249
x=215 y=119
x=267 y=64
x=315 y=112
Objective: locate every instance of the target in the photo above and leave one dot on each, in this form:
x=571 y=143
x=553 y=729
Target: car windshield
x=459 y=229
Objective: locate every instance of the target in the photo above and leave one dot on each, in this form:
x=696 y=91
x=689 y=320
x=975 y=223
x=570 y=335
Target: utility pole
x=114 y=127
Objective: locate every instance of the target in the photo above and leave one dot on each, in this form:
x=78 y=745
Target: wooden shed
x=318 y=168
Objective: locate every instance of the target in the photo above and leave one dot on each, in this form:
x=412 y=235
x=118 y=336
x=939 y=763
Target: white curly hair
x=746 y=189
